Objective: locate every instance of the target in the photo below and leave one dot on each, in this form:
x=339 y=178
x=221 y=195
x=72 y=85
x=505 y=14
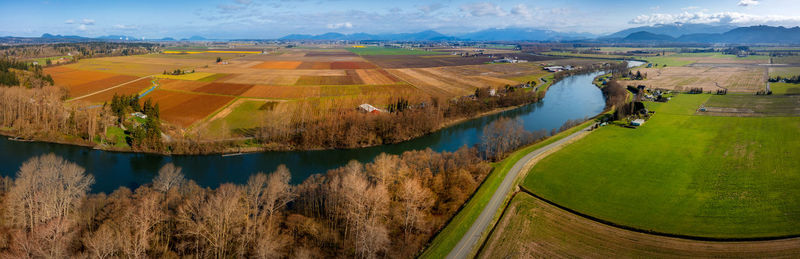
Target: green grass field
x=785 y=88
x=370 y=51
x=246 y=115
x=444 y=242
x=723 y=177
x=669 y=61
x=117 y=135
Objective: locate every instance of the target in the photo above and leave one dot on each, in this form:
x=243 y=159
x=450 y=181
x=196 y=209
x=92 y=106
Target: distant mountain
x=117 y=37
x=644 y=36
x=518 y=34
x=167 y=39
x=674 y=30
x=197 y=38
x=428 y=35
x=748 y=35
x=51 y=36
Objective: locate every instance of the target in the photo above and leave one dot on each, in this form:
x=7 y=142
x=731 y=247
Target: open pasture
x=784 y=71
x=190 y=76
x=735 y=79
x=376 y=77
x=752 y=105
x=533 y=228
x=184 y=109
x=705 y=176
x=133 y=88
x=785 y=88
x=383 y=51
x=328 y=80
x=410 y=61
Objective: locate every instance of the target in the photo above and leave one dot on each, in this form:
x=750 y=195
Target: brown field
x=282 y=91
x=128 y=89
x=440 y=81
x=278 y=65
x=224 y=88
x=326 y=80
x=376 y=77
x=262 y=79
x=531 y=228
x=410 y=61
x=65 y=76
x=315 y=65
x=735 y=79
x=330 y=54
x=184 y=109
x=97 y=85
x=351 y=65
x=142 y=65
x=180 y=85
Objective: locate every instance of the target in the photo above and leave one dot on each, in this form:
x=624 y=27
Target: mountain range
x=664 y=33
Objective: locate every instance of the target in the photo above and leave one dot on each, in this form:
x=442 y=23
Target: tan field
x=735 y=79
x=531 y=228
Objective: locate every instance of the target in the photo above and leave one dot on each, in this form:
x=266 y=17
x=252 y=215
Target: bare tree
x=169 y=176
x=415 y=200
x=47 y=187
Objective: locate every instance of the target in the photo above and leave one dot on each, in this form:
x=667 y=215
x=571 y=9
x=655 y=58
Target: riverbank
x=244 y=146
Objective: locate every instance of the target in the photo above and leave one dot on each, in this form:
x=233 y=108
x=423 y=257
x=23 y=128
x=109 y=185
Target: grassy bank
x=706 y=176
x=448 y=237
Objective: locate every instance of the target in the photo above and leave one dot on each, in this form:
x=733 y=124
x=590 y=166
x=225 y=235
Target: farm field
x=706 y=176
x=300 y=76
x=372 y=51
x=184 y=109
x=129 y=89
x=735 y=79
x=533 y=228
x=241 y=115
x=784 y=71
x=786 y=60
x=785 y=88
x=752 y=105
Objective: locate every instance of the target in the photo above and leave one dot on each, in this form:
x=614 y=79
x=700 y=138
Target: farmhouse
x=139 y=114
x=368 y=108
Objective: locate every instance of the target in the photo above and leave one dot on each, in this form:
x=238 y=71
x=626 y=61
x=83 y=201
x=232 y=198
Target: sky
x=265 y=19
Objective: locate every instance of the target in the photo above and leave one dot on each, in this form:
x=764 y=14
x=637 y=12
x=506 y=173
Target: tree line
x=387 y=208
x=349 y=128
x=13 y=73
x=785 y=79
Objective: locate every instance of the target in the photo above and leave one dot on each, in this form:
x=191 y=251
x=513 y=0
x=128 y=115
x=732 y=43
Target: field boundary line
x=107 y=89
x=656 y=233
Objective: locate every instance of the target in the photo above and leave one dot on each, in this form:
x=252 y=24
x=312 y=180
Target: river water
x=572 y=98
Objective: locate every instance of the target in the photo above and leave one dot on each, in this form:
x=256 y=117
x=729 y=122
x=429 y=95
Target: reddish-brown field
x=184 y=109
x=278 y=65
x=180 y=85
x=128 y=89
x=326 y=80
x=330 y=54
x=376 y=77
x=224 y=88
x=282 y=91
x=315 y=65
x=351 y=65
x=64 y=76
x=97 y=85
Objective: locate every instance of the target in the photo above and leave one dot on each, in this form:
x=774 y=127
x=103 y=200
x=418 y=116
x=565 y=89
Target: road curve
x=473 y=235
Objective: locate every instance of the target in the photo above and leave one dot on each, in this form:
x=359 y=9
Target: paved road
x=473 y=235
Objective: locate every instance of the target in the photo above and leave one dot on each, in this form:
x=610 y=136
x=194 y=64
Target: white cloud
x=70 y=21
x=125 y=27
x=522 y=10
x=430 y=8
x=82 y=27
x=87 y=22
x=244 y=2
x=346 y=25
x=483 y=9
x=716 y=18
x=748 y=2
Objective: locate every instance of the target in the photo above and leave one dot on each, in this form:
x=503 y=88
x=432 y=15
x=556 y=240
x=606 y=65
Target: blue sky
x=275 y=18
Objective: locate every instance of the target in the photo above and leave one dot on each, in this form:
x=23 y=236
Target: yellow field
x=735 y=79
x=191 y=76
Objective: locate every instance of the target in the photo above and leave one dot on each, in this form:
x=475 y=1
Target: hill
x=674 y=30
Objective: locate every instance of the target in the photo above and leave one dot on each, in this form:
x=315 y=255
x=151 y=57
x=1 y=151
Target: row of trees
x=344 y=127
x=387 y=208
x=786 y=79
x=13 y=73
x=40 y=112
x=78 y=50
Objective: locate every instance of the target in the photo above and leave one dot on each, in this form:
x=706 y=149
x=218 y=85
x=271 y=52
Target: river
x=572 y=98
